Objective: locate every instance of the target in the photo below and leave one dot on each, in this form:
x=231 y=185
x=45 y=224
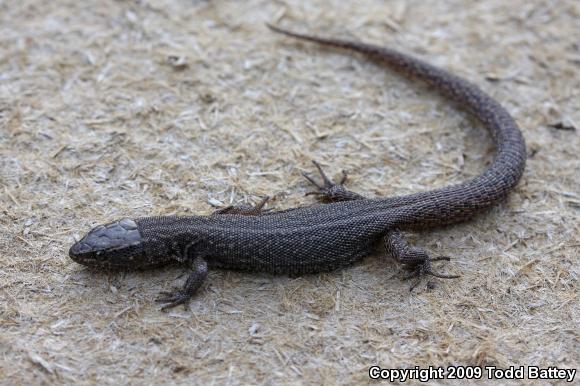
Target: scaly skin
x=320 y=237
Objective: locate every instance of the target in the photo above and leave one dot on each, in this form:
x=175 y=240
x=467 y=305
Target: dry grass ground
x=132 y=108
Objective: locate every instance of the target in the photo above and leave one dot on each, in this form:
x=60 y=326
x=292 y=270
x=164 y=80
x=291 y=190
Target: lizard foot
x=415 y=260
x=423 y=269
x=329 y=191
x=192 y=284
x=173 y=299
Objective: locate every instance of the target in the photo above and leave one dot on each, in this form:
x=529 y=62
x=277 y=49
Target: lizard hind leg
x=414 y=259
x=329 y=191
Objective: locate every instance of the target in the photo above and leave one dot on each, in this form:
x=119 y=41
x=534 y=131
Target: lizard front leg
x=329 y=191
x=245 y=210
x=414 y=259
x=192 y=284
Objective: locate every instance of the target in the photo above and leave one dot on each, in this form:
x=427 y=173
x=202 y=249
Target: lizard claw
x=424 y=268
x=173 y=299
x=414 y=259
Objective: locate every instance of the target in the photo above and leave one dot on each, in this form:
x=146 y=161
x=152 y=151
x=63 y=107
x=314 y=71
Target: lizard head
x=115 y=245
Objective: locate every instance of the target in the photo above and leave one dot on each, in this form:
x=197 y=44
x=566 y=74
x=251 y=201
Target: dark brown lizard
x=321 y=237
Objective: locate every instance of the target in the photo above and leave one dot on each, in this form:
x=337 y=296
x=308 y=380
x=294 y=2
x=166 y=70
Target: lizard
x=339 y=231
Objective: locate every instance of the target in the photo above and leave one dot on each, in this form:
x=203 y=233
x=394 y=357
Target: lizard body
x=320 y=237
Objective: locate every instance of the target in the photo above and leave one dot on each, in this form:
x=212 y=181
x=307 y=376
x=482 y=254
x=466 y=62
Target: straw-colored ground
x=133 y=108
